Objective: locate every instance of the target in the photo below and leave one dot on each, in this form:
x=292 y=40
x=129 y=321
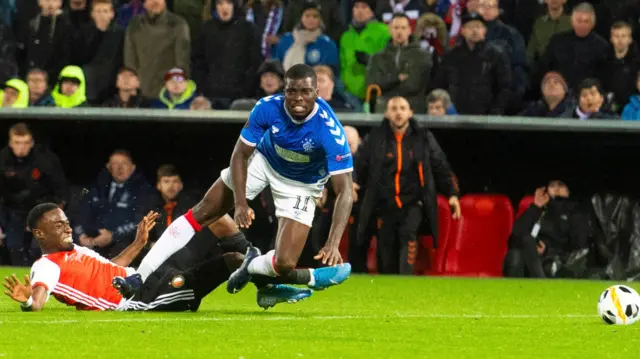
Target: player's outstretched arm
x=142 y=236
x=343 y=186
x=30 y=299
x=239 y=162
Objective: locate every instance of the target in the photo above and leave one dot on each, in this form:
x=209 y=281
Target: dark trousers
x=397 y=244
x=522 y=258
x=18 y=240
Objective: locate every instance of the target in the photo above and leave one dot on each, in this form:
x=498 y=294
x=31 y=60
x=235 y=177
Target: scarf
x=274 y=19
x=296 y=53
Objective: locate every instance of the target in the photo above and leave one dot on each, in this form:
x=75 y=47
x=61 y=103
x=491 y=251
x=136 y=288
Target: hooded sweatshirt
x=183 y=103
x=23 y=92
x=79 y=98
x=632 y=109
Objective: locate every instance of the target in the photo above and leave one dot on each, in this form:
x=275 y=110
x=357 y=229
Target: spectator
x=70 y=91
x=16 y=94
x=48 y=40
x=155 y=42
x=399 y=167
x=556 y=100
x=432 y=33
x=227 y=56
x=632 y=109
x=112 y=208
x=365 y=37
x=78 y=13
x=413 y=9
x=169 y=200
x=128 y=11
x=200 y=103
x=271 y=79
x=575 y=54
x=39 y=93
x=329 y=11
x=621 y=62
x=128 y=95
x=476 y=74
x=178 y=92
x=591 y=102
x=512 y=43
x=29 y=174
x=306 y=43
x=439 y=103
x=554 y=22
x=546 y=235
x=193 y=12
x=267 y=15
x=402 y=68
x=328 y=92
x=98 y=50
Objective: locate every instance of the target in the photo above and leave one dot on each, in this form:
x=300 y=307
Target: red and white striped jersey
x=80 y=278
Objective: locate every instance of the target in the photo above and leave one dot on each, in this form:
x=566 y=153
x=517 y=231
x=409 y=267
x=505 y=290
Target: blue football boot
x=326 y=277
x=127 y=286
x=271 y=295
x=239 y=279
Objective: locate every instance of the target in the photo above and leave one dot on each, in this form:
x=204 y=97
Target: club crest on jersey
x=177 y=281
x=308 y=145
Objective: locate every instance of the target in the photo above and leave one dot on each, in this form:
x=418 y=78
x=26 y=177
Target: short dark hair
x=167 y=171
x=589 y=83
x=301 y=72
x=122 y=152
x=20 y=129
x=37 y=212
x=399 y=15
x=621 y=25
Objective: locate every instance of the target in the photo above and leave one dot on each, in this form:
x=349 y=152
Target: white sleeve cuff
x=247 y=142
x=346 y=170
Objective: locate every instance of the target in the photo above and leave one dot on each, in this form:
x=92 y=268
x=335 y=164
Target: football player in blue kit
x=300 y=146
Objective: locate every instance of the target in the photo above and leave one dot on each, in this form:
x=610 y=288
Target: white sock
x=264 y=265
x=174 y=238
x=312 y=282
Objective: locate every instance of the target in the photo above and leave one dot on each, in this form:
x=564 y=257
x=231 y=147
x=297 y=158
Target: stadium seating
x=524 y=204
x=478 y=242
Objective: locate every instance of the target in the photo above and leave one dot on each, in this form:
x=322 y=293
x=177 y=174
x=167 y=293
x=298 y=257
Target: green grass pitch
x=366 y=317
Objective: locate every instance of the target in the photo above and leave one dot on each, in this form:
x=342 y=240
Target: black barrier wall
x=510 y=162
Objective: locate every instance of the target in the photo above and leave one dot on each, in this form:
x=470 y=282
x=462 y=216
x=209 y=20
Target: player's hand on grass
x=244 y=215
x=16 y=290
x=329 y=255
x=146 y=225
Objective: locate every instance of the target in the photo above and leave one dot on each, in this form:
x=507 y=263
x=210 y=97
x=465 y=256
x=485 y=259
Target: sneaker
x=271 y=295
x=128 y=286
x=326 y=277
x=239 y=279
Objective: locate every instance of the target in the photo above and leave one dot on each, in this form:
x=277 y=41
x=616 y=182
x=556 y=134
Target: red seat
x=525 y=203
x=478 y=241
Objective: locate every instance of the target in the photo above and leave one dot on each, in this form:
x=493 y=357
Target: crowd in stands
x=552 y=58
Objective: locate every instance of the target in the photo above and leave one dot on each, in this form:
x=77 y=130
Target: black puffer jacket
x=478 y=79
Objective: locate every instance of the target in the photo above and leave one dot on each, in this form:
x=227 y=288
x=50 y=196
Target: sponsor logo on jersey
x=177 y=281
x=291 y=156
x=342 y=157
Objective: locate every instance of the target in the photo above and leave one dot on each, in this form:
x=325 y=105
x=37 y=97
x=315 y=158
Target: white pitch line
x=287 y=318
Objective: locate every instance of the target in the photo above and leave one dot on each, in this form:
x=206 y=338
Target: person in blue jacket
x=307 y=44
x=632 y=109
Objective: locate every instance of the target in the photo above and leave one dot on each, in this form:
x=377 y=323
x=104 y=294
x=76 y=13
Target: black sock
x=296 y=276
x=235 y=243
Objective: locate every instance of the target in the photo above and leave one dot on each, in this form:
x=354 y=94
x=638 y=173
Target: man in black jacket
x=476 y=74
x=29 y=174
x=399 y=168
x=549 y=236
x=227 y=56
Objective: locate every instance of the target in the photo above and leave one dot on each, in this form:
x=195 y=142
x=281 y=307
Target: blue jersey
x=307 y=151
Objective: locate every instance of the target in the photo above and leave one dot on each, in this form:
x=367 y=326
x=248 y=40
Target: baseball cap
x=175 y=74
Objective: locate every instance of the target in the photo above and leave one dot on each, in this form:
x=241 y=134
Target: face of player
x=20 y=145
x=398 y=113
x=68 y=88
x=270 y=83
x=325 y=86
x=621 y=38
x=37 y=83
x=49 y=7
x=489 y=9
x=102 y=14
x=54 y=231
x=10 y=97
x=127 y=81
x=474 y=32
x=582 y=23
x=361 y=13
x=590 y=100
x=155 y=7
x=400 y=31
x=120 y=167
x=437 y=108
x=224 y=8
x=300 y=96
x=311 y=19
x=176 y=87
x=169 y=187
